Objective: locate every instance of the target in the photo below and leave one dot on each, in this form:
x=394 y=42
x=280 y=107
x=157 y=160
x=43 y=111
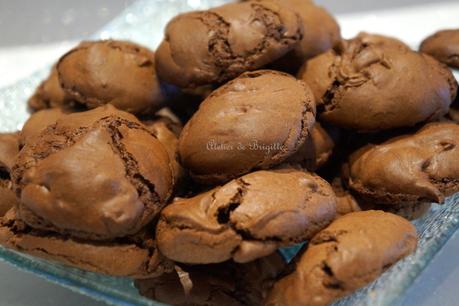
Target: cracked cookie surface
x=255 y=121
x=373 y=84
x=113 y=72
x=347 y=255
x=247 y=218
x=216 y=45
x=411 y=169
x=88 y=176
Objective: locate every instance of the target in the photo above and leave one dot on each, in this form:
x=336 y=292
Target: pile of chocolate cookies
x=254 y=126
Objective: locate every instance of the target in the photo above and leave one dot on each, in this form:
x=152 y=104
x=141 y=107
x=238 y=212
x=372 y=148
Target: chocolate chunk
x=216 y=45
x=444 y=46
x=253 y=122
x=349 y=254
x=370 y=85
x=247 y=218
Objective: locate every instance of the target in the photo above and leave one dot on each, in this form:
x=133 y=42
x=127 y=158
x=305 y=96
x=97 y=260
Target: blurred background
x=35 y=33
x=44 y=29
x=28 y=22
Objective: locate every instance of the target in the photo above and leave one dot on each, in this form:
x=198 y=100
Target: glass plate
x=144 y=22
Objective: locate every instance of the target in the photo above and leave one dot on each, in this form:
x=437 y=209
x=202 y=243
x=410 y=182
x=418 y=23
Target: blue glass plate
x=144 y=22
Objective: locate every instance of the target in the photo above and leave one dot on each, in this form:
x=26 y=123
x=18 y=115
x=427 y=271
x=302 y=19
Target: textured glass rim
x=435 y=229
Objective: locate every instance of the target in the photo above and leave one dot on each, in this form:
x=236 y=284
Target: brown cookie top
x=113 y=72
x=321 y=33
x=247 y=218
x=417 y=168
x=216 y=45
x=347 y=255
x=88 y=176
x=226 y=284
x=253 y=122
x=135 y=256
x=315 y=151
x=368 y=85
x=48 y=94
x=39 y=121
x=444 y=46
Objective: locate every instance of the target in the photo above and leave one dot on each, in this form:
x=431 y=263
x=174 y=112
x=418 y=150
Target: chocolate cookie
x=368 y=85
x=48 y=94
x=225 y=284
x=113 y=72
x=321 y=33
x=347 y=203
x=88 y=176
x=247 y=218
x=167 y=131
x=9 y=148
x=315 y=151
x=134 y=256
x=253 y=122
x=39 y=121
x=444 y=46
x=349 y=254
x=216 y=45
x=410 y=169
